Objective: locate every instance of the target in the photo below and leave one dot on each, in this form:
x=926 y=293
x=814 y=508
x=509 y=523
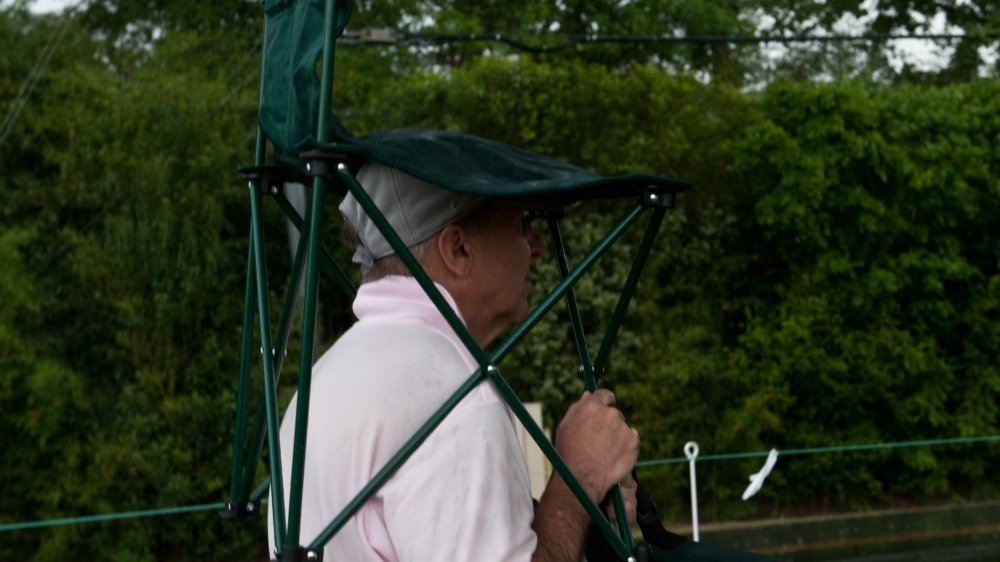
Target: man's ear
x=456 y=250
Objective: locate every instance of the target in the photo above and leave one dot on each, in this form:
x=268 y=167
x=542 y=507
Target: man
x=464 y=494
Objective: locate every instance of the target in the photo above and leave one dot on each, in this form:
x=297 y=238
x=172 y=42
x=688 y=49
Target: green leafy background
x=833 y=278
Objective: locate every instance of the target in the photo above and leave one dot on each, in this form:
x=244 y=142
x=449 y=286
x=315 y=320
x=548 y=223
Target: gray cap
x=416 y=209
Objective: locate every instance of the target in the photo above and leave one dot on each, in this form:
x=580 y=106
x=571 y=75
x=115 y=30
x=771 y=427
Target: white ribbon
x=757 y=479
x=363 y=256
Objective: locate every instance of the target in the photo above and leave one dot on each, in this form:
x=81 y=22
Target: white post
x=538 y=466
x=691 y=452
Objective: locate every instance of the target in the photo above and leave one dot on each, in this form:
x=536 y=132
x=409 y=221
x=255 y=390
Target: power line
x=388 y=36
x=248 y=57
x=34 y=75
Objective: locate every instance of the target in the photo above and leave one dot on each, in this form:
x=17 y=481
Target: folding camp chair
x=309 y=145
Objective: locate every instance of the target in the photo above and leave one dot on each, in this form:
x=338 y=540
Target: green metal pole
x=560 y=289
x=326 y=75
x=312 y=281
x=288 y=304
x=601 y=362
x=242 y=389
x=305 y=362
x=587 y=369
x=331 y=267
x=414 y=266
x=579 y=338
x=616 y=542
x=261 y=489
x=256 y=445
x=421 y=435
x=397 y=460
x=378 y=218
x=520 y=331
x=271 y=396
x=485 y=362
x=279 y=353
x=239 y=443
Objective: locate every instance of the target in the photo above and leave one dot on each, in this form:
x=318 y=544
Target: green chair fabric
x=480 y=166
x=290 y=109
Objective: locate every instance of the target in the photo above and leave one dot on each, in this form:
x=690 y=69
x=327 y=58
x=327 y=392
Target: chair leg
x=270 y=393
x=586 y=367
x=314 y=234
x=237 y=496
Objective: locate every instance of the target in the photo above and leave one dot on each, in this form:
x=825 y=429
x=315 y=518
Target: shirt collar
x=400 y=299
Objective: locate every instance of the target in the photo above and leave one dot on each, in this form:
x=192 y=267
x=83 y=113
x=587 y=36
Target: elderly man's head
x=478 y=250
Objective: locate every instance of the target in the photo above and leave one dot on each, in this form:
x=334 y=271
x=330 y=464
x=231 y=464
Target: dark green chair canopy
x=308 y=142
x=290 y=111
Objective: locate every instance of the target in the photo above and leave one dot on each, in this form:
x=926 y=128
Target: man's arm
x=600 y=449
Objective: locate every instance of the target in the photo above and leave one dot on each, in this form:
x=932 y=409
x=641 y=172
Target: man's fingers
x=604 y=396
x=629 y=483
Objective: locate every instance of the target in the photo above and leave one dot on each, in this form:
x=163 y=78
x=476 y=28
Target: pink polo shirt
x=463 y=495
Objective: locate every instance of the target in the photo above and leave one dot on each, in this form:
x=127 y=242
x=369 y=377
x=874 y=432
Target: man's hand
x=629 y=487
x=600 y=449
x=596 y=443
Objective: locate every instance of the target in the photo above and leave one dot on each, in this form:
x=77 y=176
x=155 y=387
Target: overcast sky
x=45 y=6
x=42 y=6
x=925 y=54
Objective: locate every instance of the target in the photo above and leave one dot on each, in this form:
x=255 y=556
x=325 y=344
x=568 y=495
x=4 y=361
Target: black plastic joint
x=323 y=163
x=653 y=197
x=248 y=511
x=300 y=554
x=268 y=184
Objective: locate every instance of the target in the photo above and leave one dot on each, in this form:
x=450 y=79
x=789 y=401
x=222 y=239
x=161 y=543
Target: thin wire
x=34 y=75
x=248 y=57
x=817 y=450
x=391 y=37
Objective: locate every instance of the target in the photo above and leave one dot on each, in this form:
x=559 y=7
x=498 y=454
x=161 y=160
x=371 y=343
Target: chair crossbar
x=628 y=291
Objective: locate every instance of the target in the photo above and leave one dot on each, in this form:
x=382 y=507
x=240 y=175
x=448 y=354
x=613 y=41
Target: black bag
x=660 y=545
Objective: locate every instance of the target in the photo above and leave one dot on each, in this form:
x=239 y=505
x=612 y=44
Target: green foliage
x=547 y=24
x=869 y=224
x=833 y=278
x=124 y=237
x=804 y=294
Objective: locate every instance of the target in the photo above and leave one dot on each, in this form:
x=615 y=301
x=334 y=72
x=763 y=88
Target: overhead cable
x=21 y=98
x=388 y=36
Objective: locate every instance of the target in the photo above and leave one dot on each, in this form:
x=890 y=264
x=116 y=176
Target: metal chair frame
x=329 y=167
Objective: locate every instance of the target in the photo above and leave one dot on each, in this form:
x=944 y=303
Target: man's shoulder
x=391 y=358
x=388 y=380
x=376 y=344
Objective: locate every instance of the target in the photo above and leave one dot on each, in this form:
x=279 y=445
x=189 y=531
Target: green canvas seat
x=309 y=144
